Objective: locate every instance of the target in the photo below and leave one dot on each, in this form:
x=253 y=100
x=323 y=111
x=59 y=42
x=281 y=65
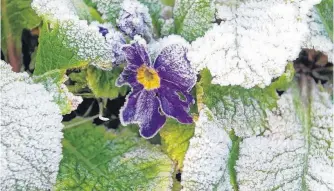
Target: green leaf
x=109 y=9
x=96 y=159
x=193 y=17
x=325 y=10
x=243 y=110
x=175 y=140
x=15 y=16
x=102 y=82
x=52 y=54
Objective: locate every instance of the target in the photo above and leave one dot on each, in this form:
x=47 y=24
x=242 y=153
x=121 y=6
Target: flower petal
x=172 y=105
x=142 y=107
x=136 y=55
x=128 y=77
x=172 y=65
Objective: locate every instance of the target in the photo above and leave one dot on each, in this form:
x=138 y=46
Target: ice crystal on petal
x=30 y=133
x=253 y=42
x=134 y=19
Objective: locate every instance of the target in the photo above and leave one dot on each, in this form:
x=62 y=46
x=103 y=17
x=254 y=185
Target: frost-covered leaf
x=175 y=140
x=53 y=82
x=205 y=163
x=253 y=42
x=15 y=16
x=102 y=83
x=80 y=36
x=243 y=110
x=52 y=55
x=193 y=17
x=109 y=9
x=318 y=38
x=95 y=159
x=30 y=133
x=296 y=153
x=325 y=10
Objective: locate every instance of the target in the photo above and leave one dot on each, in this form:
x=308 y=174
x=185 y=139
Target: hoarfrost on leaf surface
x=318 y=38
x=80 y=35
x=30 y=133
x=253 y=42
x=206 y=161
x=293 y=154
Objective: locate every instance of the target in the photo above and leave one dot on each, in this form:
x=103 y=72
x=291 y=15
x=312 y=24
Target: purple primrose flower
x=159 y=89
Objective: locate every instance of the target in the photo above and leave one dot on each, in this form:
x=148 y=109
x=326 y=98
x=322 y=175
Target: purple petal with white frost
x=136 y=55
x=103 y=31
x=172 y=65
x=143 y=108
x=172 y=105
x=128 y=77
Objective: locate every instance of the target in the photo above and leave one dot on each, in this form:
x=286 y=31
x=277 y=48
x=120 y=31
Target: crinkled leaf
x=154 y=7
x=325 y=9
x=294 y=153
x=52 y=54
x=193 y=17
x=102 y=82
x=95 y=159
x=15 y=16
x=238 y=108
x=175 y=140
x=109 y=9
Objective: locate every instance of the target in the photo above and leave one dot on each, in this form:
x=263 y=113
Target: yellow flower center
x=148 y=77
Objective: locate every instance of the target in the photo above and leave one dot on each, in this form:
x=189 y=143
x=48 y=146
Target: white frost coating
x=134 y=19
x=156 y=47
x=108 y=8
x=78 y=34
x=317 y=37
x=245 y=119
x=205 y=163
x=163 y=181
x=30 y=131
x=253 y=43
x=290 y=156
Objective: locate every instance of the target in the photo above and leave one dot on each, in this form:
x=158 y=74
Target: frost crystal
x=30 y=132
x=134 y=19
x=317 y=37
x=78 y=34
x=205 y=163
x=291 y=155
x=253 y=43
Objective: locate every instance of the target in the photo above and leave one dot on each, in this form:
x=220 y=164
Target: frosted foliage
x=290 y=156
x=134 y=19
x=85 y=38
x=108 y=8
x=317 y=37
x=139 y=155
x=30 y=131
x=246 y=120
x=205 y=163
x=253 y=43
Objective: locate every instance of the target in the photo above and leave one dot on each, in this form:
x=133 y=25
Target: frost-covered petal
x=172 y=65
x=30 y=131
x=317 y=38
x=143 y=108
x=253 y=42
x=134 y=19
x=172 y=104
x=136 y=55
